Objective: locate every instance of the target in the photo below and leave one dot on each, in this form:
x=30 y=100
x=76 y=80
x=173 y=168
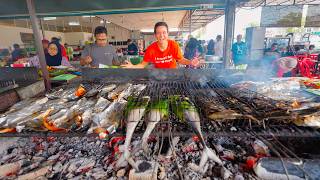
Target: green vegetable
x=162 y=106
x=56 y=73
x=180 y=104
x=135 y=103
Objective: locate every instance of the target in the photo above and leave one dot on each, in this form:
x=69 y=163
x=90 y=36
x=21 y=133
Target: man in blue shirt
x=132 y=48
x=239 y=51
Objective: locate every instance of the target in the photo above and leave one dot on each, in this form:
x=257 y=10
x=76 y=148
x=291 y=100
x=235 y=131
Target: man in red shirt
x=164 y=53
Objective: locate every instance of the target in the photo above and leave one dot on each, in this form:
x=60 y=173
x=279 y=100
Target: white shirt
x=218 y=48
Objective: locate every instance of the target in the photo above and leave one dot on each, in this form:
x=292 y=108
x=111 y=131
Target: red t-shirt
x=163 y=59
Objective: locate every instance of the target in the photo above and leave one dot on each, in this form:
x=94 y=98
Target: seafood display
x=88 y=107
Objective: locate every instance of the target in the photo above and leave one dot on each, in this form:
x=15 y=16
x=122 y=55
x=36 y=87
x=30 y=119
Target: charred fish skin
x=135 y=111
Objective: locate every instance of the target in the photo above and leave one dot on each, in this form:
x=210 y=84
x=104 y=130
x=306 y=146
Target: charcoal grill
x=263 y=118
x=200 y=86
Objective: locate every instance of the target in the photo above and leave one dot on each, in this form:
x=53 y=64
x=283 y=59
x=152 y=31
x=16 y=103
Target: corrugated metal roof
x=18 y=8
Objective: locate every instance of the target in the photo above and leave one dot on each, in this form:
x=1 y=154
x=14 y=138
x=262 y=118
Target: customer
x=63 y=50
x=100 y=52
x=53 y=57
x=218 y=46
x=69 y=51
x=17 y=53
x=210 y=47
x=132 y=48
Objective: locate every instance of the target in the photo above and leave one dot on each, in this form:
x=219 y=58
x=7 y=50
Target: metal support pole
x=38 y=35
x=42 y=29
x=190 y=22
x=229 y=23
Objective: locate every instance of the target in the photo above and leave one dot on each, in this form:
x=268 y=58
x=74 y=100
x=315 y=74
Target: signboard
x=313 y=16
x=281 y=16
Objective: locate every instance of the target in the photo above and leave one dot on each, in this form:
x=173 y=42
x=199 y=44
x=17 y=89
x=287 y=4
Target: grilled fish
x=158 y=111
x=116 y=92
x=135 y=111
x=101 y=104
x=105 y=90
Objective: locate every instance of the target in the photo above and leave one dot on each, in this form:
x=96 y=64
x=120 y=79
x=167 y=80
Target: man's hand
x=88 y=60
x=85 y=60
x=197 y=62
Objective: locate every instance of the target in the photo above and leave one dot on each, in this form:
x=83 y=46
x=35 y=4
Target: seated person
x=53 y=57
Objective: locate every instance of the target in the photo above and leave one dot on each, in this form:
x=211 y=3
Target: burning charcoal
x=57 y=167
x=99 y=173
x=52 y=150
x=54 y=157
x=29 y=168
x=69 y=175
x=121 y=173
x=147 y=171
x=35 y=174
x=239 y=177
x=12 y=168
x=86 y=165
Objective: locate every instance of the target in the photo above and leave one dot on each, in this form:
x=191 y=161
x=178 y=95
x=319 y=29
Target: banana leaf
x=135 y=103
x=162 y=106
x=180 y=104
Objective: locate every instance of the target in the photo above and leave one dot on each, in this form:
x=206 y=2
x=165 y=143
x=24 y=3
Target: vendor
x=100 y=52
x=164 y=53
x=283 y=66
x=53 y=57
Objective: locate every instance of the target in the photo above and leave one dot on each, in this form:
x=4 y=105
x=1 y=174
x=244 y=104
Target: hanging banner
x=313 y=16
x=281 y=16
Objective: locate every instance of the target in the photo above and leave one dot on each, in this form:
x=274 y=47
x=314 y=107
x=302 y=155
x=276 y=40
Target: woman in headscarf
x=53 y=57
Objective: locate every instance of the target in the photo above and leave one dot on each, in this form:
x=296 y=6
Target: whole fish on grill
x=35 y=123
x=185 y=109
x=158 y=111
x=135 y=111
x=116 y=92
x=64 y=121
x=23 y=115
x=110 y=116
x=106 y=89
x=101 y=104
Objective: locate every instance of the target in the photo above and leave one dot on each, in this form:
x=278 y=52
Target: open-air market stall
x=163 y=124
